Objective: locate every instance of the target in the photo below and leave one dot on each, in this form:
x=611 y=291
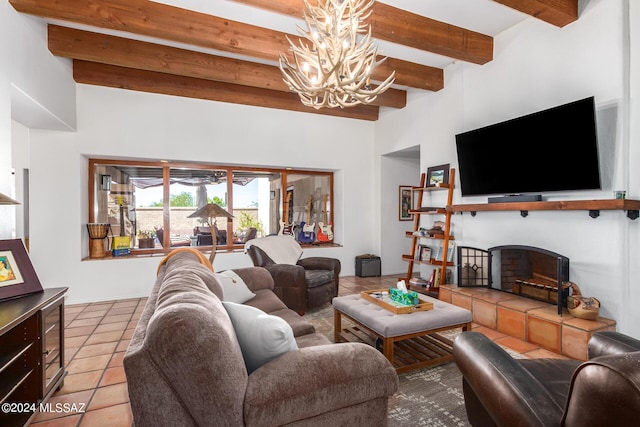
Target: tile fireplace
x=528 y=271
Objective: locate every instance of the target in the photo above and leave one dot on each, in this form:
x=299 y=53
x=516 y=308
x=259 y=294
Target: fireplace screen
x=524 y=270
x=473 y=268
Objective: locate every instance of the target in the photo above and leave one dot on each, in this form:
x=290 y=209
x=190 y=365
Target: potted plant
x=146 y=239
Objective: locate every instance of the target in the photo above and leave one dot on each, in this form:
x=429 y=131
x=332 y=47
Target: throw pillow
x=233 y=287
x=262 y=337
x=281 y=249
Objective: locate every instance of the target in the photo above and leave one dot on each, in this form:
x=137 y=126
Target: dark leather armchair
x=502 y=391
x=309 y=283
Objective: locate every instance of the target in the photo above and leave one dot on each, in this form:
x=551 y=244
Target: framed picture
x=450 y=251
x=17 y=276
x=405 y=202
x=437 y=175
x=424 y=253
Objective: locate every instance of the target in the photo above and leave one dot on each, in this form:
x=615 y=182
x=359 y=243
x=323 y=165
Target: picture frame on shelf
x=450 y=251
x=405 y=202
x=424 y=253
x=17 y=275
x=437 y=175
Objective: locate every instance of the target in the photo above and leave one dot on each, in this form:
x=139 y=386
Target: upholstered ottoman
x=409 y=341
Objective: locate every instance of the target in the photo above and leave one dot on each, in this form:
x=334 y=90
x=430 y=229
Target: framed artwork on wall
x=405 y=202
x=17 y=276
x=437 y=175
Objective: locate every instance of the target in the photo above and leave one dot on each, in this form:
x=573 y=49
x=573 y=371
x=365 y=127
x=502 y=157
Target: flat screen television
x=551 y=150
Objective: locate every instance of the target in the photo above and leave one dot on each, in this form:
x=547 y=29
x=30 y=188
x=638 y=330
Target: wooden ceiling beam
x=556 y=12
x=406 y=28
x=168 y=84
x=400 y=26
x=112 y=50
x=166 y=22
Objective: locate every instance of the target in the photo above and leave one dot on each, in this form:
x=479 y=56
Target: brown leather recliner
x=502 y=391
x=309 y=283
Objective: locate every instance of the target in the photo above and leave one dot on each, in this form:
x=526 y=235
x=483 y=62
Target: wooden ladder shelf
x=418 y=210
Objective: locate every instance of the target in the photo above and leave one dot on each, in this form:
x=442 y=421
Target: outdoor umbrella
x=209 y=213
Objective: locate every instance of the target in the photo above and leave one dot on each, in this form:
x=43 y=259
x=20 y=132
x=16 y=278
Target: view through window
x=161 y=205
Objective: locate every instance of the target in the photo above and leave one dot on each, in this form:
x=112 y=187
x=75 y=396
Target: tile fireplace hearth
x=530 y=320
x=518 y=290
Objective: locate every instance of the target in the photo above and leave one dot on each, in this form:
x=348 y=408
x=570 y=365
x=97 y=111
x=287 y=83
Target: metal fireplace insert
x=523 y=270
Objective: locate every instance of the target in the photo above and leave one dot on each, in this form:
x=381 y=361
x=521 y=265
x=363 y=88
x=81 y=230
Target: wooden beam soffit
x=112 y=50
x=168 y=84
x=400 y=26
x=556 y=12
x=166 y=22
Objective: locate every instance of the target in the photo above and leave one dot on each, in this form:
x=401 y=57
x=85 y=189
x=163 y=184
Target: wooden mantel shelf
x=593 y=206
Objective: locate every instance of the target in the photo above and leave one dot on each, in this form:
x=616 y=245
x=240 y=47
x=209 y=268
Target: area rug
x=426 y=397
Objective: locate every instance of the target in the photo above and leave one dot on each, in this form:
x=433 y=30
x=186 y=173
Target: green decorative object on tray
x=383 y=299
x=406 y=298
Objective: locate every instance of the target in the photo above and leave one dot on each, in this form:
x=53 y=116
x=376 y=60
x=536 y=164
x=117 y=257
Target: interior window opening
x=156 y=206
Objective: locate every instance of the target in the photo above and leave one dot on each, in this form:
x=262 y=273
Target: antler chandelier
x=333 y=63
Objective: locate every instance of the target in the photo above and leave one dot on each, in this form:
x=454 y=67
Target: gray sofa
x=184 y=365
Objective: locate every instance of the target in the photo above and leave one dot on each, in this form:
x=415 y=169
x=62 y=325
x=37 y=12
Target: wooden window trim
x=166 y=168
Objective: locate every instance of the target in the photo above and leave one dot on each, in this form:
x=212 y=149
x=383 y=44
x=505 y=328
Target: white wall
x=537 y=66
x=127 y=124
x=427 y=121
x=631 y=291
x=395 y=171
x=20 y=162
x=35 y=87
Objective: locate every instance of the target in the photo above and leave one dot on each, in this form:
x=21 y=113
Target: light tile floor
x=97 y=336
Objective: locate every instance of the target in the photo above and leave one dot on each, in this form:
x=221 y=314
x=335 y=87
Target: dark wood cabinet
x=52 y=327
x=31 y=353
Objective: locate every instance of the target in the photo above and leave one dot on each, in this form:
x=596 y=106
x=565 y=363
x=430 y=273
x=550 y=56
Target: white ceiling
x=483 y=16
